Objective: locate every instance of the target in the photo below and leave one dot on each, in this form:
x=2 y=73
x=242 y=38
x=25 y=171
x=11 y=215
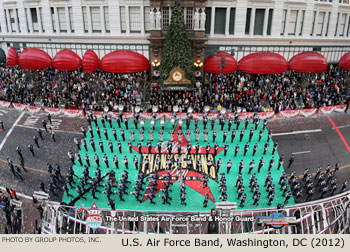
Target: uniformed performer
x=246 y=123
x=266 y=147
x=275 y=146
x=114 y=132
x=83 y=142
x=224 y=136
x=100 y=143
x=241 y=135
x=261 y=164
x=205 y=133
x=126 y=162
x=246 y=148
x=161 y=135
x=110 y=145
x=92 y=143
x=122 y=133
x=226 y=149
x=119 y=146
x=115 y=161
x=251 y=166
x=236 y=150
x=150 y=135
x=272 y=162
x=233 y=135
x=251 y=133
x=97 y=160
x=105 y=159
x=197 y=134
x=132 y=135
x=261 y=133
x=229 y=166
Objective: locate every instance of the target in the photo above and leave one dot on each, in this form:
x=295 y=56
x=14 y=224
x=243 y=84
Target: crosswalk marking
x=2 y=112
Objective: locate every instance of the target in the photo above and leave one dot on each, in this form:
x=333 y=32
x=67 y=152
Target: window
x=336 y=26
x=96 y=19
x=34 y=16
x=320 y=23
x=19 y=24
x=27 y=18
x=85 y=18
x=259 y=21
x=292 y=24
x=134 y=19
x=342 y=24
x=301 y=20
x=41 y=19
x=106 y=14
x=232 y=20
x=284 y=17
x=220 y=20
x=122 y=19
x=166 y=17
x=61 y=11
x=53 y=19
x=269 y=22
x=71 y=19
x=207 y=20
x=347 y=33
x=247 y=21
x=329 y=18
x=147 y=21
x=313 y=24
x=12 y=20
x=189 y=18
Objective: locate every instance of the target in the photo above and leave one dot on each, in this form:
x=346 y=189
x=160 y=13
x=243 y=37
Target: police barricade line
x=34 y=109
x=4 y=104
x=167 y=116
x=340 y=108
x=53 y=111
x=19 y=106
x=307 y=112
x=326 y=110
x=288 y=113
x=266 y=115
x=71 y=112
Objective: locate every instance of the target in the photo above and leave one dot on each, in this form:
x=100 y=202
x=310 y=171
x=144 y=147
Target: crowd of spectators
x=71 y=90
x=237 y=91
x=12 y=221
x=259 y=93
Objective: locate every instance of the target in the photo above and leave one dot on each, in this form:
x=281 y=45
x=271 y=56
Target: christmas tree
x=177 y=50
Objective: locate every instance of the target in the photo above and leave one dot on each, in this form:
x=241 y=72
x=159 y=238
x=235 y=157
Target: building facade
x=240 y=26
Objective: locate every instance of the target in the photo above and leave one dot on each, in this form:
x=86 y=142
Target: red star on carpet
x=196 y=185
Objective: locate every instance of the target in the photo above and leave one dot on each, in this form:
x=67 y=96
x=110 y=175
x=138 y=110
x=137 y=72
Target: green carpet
x=194 y=199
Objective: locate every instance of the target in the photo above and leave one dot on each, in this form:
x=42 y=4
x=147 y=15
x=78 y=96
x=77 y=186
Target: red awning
x=124 y=62
x=90 y=61
x=308 y=62
x=213 y=64
x=66 y=60
x=12 y=57
x=263 y=63
x=33 y=58
x=344 y=61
